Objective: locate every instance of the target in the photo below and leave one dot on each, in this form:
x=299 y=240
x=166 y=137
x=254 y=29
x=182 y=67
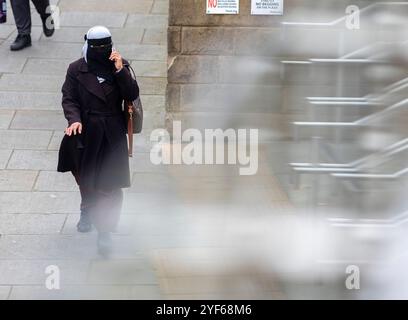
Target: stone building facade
x=227 y=70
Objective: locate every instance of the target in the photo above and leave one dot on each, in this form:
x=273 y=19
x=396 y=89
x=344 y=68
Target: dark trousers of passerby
x=103 y=206
x=22 y=13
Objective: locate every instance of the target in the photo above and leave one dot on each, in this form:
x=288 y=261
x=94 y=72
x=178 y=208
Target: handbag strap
x=130 y=118
x=130 y=127
x=131 y=69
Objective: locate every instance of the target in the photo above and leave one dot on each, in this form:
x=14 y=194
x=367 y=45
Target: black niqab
x=98 y=58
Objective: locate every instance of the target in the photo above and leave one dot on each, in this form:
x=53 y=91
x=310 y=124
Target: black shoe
x=22 y=41
x=48 y=32
x=104 y=243
x=84 y=224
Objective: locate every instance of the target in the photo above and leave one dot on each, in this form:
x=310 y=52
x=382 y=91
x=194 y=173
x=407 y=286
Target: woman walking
x=94 y=147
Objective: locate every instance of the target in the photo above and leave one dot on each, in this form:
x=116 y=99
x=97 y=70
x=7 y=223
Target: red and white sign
x=222 y=6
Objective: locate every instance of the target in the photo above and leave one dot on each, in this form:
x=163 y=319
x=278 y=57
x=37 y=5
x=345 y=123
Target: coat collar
x=90 y=81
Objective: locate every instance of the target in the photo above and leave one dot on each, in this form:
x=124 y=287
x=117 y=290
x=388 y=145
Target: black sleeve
x=129 y=88
x=70 y=101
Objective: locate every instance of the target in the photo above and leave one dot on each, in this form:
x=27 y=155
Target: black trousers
x=102 y=206
x=22 y=14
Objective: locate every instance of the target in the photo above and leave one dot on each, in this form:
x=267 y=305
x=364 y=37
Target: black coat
x=100 y=154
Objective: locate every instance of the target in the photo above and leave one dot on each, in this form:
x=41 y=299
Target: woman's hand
x=73 y=128
x=115 y=56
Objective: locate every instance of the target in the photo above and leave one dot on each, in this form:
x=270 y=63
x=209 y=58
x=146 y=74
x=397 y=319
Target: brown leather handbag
x=134 y=117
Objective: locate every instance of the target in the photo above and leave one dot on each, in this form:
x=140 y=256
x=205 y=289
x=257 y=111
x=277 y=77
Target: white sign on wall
x=222 y=6
x=267 y=7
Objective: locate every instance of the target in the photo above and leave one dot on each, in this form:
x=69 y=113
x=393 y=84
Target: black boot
x=22 y=41
x=84 y=224
x=48 y=30
x=104 y=243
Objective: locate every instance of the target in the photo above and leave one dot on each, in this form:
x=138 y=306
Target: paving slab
x=94 y=18
x=160 y=7
x=33 y=160
x=76 y=35
x=17 y=224
x=4 y=292
x=5 y=31
x=55 y=181
x=155 y=36
x=147 y=52
x=125 y=226
x=19 y=100
x=147 y=21
x=39 y=206
x=151 y=69
x=39 y=202
x=63 y=247
x=42 y=49
x=39 y=119
x=11 y=63
x=139 y=6
x=46 y=66
x=17 y=180
x=24 y=139
x=4 y=157
x=5 y=118
x=31 y=82
x=86 y=292
x=33 y=272
x=126 y=272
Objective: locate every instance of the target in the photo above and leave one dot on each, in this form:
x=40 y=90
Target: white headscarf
x=97 y=32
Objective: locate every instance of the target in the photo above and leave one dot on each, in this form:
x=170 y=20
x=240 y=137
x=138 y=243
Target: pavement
x=38 y=206
x=171 y=242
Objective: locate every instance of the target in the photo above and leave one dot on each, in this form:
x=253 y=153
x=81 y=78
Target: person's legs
x=41 y=7
x=22 y=16
x=88 y=202
x=109 y=206
x=48 y=24
x=106 y=217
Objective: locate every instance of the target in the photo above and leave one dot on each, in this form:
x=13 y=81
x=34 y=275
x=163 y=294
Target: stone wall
x=231 y=65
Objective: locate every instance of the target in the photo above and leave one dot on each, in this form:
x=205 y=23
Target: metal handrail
x=395 y=175
x=392 y=88
x=393 y=149
x=353 y=123
x=391 y=222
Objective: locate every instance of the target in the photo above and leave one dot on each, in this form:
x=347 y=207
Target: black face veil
x=97 y=53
